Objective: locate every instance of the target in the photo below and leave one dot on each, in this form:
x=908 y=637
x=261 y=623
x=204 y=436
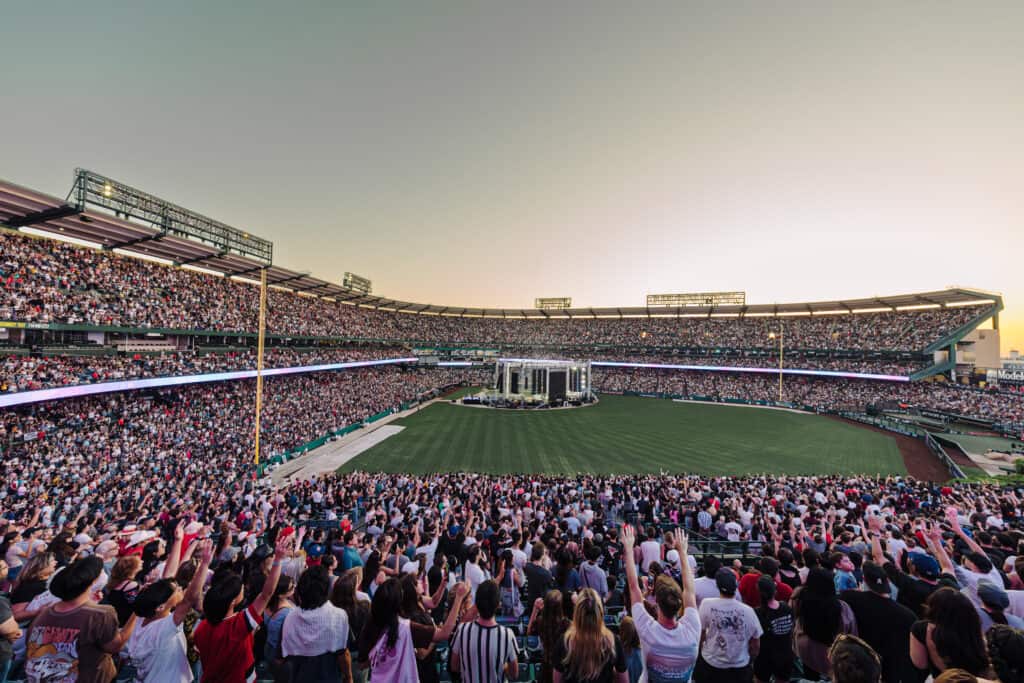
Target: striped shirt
x=484 y=651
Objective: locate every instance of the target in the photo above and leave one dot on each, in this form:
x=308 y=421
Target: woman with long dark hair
x=548 y=623
x=388 y=643
x=277 y=610
x=950 y=636
x=567 y=579
x=345 y=595
x=1006 y=650
x=820 y=617
x=371 y=570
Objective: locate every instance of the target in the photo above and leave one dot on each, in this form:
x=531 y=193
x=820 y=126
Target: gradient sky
x=482 y=154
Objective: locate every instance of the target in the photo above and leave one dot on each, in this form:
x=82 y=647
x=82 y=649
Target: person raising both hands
x=669 y=641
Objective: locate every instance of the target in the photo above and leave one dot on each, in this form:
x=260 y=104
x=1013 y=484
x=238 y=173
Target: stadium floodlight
x=92 y=190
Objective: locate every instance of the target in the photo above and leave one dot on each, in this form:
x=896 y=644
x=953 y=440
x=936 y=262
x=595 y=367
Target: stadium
x=160 y=369
x=511 y=343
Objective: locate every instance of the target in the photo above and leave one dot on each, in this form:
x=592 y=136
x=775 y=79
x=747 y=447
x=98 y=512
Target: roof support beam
x=299 y=276
x=320 y=285
x=137 y=240
x=198 y=259
x=239 y=273
x=43 y=216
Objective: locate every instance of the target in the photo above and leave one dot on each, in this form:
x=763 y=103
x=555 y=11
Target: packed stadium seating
x=46 y=281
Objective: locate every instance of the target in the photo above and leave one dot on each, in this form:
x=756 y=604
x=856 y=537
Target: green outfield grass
x=630 y=435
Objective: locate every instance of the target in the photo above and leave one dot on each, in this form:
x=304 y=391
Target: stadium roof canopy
x=23 y=208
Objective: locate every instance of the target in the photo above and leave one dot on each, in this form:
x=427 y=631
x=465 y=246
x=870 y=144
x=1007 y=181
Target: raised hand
x=206 y=551
x=682 y=542
x=284 y=546
x=628 y=538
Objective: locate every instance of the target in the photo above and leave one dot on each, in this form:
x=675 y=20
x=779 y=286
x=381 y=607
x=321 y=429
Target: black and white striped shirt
x=483 y=652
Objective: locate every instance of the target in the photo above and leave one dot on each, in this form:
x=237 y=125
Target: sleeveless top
x=396 y=664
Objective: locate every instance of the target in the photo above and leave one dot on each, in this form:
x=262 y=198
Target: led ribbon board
x=728 y=368
x=21 y=398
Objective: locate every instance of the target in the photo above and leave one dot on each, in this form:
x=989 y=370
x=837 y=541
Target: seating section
x=45 y=281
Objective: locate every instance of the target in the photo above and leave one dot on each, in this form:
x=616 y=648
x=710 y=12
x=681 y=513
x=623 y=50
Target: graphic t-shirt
x=66 y=647
x=729 y=626
x=777 y=637
x=670 y=654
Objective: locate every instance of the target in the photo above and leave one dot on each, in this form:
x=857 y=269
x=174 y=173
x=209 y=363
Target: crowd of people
x=820 y=393
x=520 y=577
x=27 y=372
x=31 y=372
x=133 y=450
x=46 y=281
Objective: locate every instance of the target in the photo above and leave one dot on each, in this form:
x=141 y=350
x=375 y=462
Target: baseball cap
x=926 y=565
x=726 y=581
x=875 y=578
x=672 y=558
x=993 y=595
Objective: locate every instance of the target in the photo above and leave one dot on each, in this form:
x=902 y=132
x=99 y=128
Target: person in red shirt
x=224 y=637
x=767 y=566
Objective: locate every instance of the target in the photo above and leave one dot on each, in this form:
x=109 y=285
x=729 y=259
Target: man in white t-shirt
x=650 y=550
x=705 y=587
x=473 y=573
x=669 y=643
x=732 y=634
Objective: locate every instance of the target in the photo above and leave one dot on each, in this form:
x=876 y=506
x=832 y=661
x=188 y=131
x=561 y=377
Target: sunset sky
x=483 y=154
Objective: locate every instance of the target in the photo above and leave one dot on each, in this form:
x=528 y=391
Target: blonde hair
x=589 y=645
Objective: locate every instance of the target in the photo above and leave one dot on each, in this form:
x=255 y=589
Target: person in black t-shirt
x=775 y=659
x=884 y=624
x=538 y=579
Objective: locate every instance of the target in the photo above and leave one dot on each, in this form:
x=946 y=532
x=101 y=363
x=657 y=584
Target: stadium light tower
x=779 y=336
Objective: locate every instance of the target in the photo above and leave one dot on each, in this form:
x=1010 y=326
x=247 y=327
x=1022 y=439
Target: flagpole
x=259 y=360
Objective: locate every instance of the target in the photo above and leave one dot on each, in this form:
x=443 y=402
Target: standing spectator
x=994 y=603
x=538 y=579
x=157 y=647
x=732 y=635
x=950 y=637
x=224 y=637
x=483 y=651
x=851 y=660
x=775 y=657
x=548 y=623
x=669 y=644
x=883 y=623
x=277 y=611
x=1006 y=650
x=388 y=642
x=589 y=652
x=344 y=595
x=631 y=649
x=314 y=637
x=31 y=582
x=650 y=550
x=820 y=617
x=9 y=630
x=74 y=638
x=511 y=583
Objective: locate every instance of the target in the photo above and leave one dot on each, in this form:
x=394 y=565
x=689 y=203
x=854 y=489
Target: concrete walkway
x=334 y=454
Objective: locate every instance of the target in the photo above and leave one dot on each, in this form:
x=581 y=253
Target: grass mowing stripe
x=630 y=435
